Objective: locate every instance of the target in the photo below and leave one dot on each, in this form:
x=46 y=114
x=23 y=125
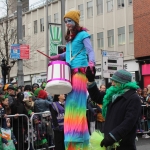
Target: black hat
x=11 y=87
x=35 y=85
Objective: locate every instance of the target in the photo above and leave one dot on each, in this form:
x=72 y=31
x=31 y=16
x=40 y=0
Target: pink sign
x=146 y=69
x=24 y=52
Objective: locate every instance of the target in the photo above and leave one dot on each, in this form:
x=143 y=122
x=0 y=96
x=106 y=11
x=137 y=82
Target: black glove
x=107 y=141
x=90 y=74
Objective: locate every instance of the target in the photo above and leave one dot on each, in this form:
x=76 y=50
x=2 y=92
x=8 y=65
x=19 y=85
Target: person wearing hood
x=121 y=109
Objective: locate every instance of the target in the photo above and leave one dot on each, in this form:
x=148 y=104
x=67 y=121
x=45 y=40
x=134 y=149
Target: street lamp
x=20 y=74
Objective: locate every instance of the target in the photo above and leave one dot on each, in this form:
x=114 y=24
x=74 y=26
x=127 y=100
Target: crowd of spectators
x=29 y=99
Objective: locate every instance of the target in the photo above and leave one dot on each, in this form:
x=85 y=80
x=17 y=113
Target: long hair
x=6 y=108
x=76 y=29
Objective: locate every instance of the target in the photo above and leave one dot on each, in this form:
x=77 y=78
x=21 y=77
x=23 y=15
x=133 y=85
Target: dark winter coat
x=18 y=108
x=122 y=117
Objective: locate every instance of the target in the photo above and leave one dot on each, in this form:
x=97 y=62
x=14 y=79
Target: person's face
x=1 y=85
x=5 y=102
x=34 y=88
x=145 y=90
x=103 y=88
x=19 y=90
x=145 y=95
x=139 y=92
x=61 y=97
x=113 y=83
x=23 y=88
x=69 y=23
x=8 y=123
x=11 y=92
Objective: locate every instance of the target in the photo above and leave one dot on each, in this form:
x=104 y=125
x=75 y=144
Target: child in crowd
x=40 y=131
x=57 y=112
x=28 y=102
x=48 y=124
x=8 y=138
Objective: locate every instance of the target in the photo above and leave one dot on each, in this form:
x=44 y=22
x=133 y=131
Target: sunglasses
x=68 y=21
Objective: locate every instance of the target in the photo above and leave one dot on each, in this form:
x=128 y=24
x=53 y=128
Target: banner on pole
x=55 y=39
x=15 y=51
x=24 y=52
x=18 y=51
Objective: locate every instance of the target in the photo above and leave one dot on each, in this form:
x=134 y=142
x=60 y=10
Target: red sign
x=24 y=52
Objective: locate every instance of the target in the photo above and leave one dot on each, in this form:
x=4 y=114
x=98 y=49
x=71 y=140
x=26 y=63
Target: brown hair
x=76 y=30
x=7 y=108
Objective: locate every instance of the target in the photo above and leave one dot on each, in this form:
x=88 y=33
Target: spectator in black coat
x=19 y=123
x=121 y=109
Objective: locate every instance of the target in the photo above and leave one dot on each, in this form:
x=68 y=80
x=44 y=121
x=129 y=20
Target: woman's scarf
x=114 y=91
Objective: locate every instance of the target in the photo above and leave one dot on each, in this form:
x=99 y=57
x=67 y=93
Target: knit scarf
x=114 y=91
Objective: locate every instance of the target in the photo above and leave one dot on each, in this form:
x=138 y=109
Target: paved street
x=143 y=144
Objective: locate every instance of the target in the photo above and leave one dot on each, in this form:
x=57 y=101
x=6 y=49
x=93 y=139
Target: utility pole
x=46 y=31
x=20 y=74
x=62 y=21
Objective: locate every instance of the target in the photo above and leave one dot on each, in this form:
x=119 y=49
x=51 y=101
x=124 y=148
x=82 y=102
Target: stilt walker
x=78 y=46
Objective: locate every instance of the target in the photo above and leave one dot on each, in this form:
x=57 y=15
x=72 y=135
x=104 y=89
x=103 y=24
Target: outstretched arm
x=58 y=57
x=93 y=90
x=95 y=94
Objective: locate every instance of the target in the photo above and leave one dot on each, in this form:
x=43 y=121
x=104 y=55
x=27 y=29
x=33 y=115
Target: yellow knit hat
x=74 y=15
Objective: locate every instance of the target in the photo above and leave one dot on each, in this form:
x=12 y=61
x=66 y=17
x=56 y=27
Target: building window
x=121 y=35
x=42 y=24
x=56 y=18
x=99 y=7
x=92 y=40
x=80 y=8
x=35 y=27
x=49 y=19
x=23 y=31
x=100 y=40
x=120 y=3
x=130 y=2
x=110 y=34
x=89 y=9
x=109 y=5
x=131 y=34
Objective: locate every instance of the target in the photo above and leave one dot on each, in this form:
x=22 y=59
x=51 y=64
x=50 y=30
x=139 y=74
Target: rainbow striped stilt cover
x=75 y=122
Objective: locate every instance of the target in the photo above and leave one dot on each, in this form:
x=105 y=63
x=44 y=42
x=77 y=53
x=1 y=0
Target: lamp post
x=20 y=74
x=46 y=31
x=62 y=20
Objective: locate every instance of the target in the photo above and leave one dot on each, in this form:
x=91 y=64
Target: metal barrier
x=34 y=125
x=143 y=121
x=18 y=130
x=38 y=125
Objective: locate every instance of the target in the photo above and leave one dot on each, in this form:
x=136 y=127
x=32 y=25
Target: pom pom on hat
x=122 y=76
x=74 y=15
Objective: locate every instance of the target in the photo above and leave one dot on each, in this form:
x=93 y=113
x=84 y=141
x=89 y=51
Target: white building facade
x=110 y=23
